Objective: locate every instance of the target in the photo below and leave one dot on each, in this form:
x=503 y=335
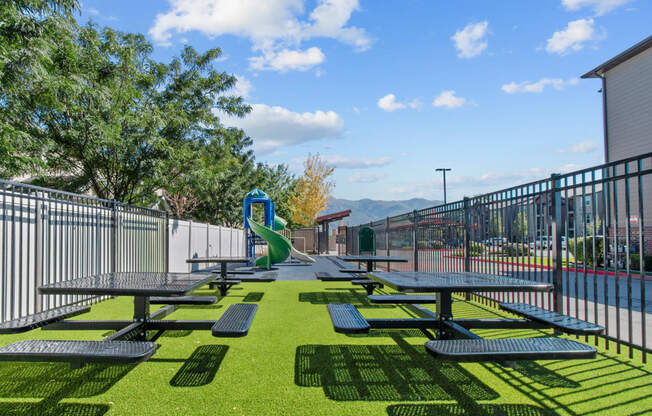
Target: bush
x=516 y=249
x=477 y=249
x=636 y=262
x=578 y=252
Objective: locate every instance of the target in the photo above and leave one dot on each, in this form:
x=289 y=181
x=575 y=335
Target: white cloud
x=471 y=40
x=242 y=87
x=573 y=38
x=286 y=59
x=93 y=11
x=449 y=100
x=389 y=103
x=356 y=110
x=599 y=6
x=585 y=146
x=538 y=86
x=275 y=27
x=366 y=177
x=345 y=162
x=274 y=127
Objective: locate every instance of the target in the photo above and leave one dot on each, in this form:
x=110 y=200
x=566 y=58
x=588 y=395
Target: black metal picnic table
x=371 y=259
x=223 y=261
x=347 y=319
x=142 y=286
x=445 y=283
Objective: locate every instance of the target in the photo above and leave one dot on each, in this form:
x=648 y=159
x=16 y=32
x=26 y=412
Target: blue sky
x=389 y=90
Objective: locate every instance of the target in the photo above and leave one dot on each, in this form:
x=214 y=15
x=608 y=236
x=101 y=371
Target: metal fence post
x=467 y=239
x=189 y=245
x=166 y=243
x=387 y=241
x=556 y=218
x=38 y=267
x=467 y=234
x=415 y=249
x=114 y=237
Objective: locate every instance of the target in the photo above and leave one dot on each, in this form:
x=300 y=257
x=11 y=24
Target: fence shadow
x=385 y=373
x=200 y=368
x=457 y=410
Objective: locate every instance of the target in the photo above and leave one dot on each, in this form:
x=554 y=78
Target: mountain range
x=365 y=210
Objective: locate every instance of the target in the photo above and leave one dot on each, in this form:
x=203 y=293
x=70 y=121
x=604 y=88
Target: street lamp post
x=443 y=170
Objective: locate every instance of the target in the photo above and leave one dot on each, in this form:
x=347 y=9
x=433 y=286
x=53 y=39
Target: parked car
x=495 y=241
x=541 y=243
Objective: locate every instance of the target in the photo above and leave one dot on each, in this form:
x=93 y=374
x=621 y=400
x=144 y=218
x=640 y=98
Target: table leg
x=223 y=270
x=370 y=266
x=445 y=311
x=141 y=314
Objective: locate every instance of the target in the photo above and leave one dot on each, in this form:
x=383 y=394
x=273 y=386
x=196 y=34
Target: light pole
x=443 y=170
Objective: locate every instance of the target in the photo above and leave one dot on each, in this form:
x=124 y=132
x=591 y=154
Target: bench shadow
x=457 y=410
x=390 y=333
x=180 y=333
x=210 y=307
x=543 y=375
x=53 y=382
x=200 y=368
x=35 y=380
x=58 y=409
x=401 y=372
x=353 y=297
x=253 y=297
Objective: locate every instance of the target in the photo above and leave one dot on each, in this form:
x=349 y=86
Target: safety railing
x=588 y=232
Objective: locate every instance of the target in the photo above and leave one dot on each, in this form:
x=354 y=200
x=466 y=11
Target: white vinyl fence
x=194 y=239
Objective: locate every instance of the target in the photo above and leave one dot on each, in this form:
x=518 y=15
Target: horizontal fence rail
x=589 y=233
x=48 y=236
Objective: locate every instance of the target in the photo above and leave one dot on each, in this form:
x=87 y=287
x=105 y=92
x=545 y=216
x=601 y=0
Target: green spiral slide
x=278 y=246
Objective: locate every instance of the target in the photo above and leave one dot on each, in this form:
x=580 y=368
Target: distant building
x=627 y=119
x=627 y=101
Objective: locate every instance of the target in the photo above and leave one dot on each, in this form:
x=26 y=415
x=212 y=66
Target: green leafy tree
x=112 y=121
x=520 y=226
x=30 y=32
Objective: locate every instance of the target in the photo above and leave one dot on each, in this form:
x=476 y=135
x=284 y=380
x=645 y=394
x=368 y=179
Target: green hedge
x=578 y=252
x=516 y=249
x=636 y=262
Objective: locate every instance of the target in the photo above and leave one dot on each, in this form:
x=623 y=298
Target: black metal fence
x=49 y=236
x=588 y=232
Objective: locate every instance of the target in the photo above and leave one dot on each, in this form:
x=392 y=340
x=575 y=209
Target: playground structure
x=279 y=247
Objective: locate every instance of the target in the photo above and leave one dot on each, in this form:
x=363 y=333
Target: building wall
x=629 y=107
x=629 y=123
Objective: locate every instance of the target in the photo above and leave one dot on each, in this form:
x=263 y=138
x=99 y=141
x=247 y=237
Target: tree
x=495 y=224
x=312 y=191
x=111 y=120
x=520 y=226
x=29 y=34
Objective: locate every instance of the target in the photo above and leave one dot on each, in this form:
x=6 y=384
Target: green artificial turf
x=292 y=362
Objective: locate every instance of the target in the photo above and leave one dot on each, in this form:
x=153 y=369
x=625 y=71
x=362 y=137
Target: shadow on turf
x=200 y=368
x=457 y=410
x=253 y=297
x=357 y=298
x=54 y=382
x=386 y=373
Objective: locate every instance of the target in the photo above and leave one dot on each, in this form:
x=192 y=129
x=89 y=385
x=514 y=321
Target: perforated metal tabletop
x=130 y=284
x=456 y=282
x=219 y=260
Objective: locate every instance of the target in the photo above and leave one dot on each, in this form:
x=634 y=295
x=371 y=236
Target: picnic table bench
x=328 y=277
x=129 y=343
x=347 y=319
x=40 y=319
